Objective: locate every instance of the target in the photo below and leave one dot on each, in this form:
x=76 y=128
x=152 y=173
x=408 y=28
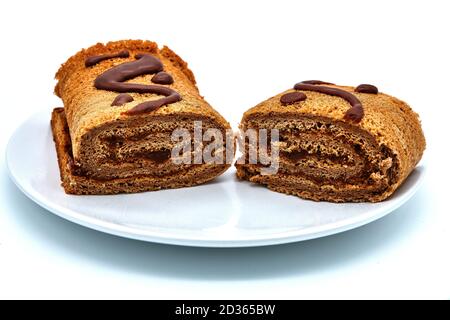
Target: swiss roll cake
x=122 y=103
x=334 y=143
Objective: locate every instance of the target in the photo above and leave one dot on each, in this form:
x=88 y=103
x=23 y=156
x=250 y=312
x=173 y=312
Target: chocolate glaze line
x=152 y=105
x=292 y=97
x=355 y=113
x=113 y=80
x=92 y=61
x=121 y=99
x=316 y=82
x=366 y=88
x=162 y=78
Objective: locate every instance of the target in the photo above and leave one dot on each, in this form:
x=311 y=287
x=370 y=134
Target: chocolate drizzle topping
x=292 y=97
x=366 y=88
x=92 y=61
x=162 y=78
x=355 y=113
x=114 y=80
x=121 y=99
x=316 y=82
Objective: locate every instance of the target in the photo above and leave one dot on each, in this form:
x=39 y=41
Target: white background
x=241 y=52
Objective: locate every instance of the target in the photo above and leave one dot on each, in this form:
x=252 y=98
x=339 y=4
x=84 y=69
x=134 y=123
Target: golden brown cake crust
x=392 y=124
x=114 y=46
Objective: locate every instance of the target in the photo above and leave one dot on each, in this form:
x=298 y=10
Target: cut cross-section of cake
x=336 y=143
x=122 y=103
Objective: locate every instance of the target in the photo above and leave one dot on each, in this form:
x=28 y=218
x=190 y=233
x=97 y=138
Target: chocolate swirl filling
x=355 y=113
x=114 y=80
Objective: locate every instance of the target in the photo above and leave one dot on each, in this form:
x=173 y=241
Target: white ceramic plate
x=223 y=213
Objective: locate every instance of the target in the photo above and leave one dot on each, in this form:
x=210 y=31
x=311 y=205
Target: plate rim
x=155 y=237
